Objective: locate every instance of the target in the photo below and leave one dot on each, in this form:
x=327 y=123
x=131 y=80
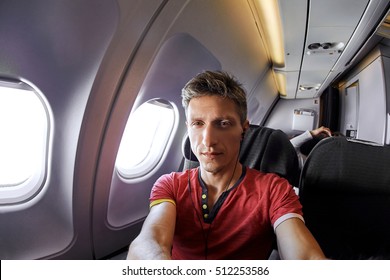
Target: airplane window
x=24 y=128
x=147 y=135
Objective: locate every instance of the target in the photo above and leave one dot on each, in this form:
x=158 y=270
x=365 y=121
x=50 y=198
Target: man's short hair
x=219 y=83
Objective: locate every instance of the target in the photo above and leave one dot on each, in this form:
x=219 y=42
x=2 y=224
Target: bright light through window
x=23 y=142
x=145 y=138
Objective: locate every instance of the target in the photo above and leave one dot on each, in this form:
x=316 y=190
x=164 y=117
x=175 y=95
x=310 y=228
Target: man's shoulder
x=257 y=173
x=179 y=175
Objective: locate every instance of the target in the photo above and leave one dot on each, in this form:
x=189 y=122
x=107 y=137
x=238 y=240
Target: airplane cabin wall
x=364 y=98
x=57 y=47
x=282 y=115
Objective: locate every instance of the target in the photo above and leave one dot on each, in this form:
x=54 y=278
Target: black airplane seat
x=265 y=149
x=345 y=193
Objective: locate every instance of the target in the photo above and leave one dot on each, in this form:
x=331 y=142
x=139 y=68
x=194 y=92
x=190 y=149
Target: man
x=320 y=132
x=221 y=210
x=306 y=141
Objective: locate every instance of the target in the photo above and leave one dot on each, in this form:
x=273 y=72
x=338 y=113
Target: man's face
x=215 y=132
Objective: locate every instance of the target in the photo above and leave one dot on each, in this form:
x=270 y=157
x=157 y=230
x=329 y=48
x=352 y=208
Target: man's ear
x=245 y=126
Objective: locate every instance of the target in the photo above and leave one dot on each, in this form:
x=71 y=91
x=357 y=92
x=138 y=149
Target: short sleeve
x=162 y=190
x=284 y=201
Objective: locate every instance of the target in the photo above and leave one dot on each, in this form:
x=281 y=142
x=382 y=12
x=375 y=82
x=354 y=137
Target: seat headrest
x=350 y=164
x=186 y=149
x=345 y=193
x=269 y=150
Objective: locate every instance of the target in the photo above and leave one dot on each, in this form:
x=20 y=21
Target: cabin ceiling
x=320 y=40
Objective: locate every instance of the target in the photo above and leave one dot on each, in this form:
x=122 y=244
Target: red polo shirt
x=241 y=223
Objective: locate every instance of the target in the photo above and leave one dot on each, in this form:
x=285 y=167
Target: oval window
x=146 y=137
x=24 y=127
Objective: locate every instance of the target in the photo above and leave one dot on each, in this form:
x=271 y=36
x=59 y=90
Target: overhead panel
x=315 y=34
x=330 y=28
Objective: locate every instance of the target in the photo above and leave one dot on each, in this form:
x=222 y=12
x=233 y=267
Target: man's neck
x=219 y=182
x=222 y=180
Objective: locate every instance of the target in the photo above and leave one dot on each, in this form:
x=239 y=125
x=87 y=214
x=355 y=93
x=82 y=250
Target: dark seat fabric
x=345 y=193
x=264 y=149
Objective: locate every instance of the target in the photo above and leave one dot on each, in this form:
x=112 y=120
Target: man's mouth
x=210 y=155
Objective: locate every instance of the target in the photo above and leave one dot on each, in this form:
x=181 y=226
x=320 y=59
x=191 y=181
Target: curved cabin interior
x=90 y=107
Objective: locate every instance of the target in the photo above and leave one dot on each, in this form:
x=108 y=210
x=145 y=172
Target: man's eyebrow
x=226 y=118
x=192 y=117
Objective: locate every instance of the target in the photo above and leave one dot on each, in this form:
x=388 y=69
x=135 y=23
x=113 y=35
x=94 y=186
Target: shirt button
x=204 y=196
x=204 y=206
x=206 y=216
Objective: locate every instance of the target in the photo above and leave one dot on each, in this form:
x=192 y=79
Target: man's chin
x=210 y=167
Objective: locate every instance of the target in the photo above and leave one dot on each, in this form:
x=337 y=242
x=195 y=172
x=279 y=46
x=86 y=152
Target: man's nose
x=209 y=136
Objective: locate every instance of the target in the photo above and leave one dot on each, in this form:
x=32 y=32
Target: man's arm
x=296 y=242
x=155 y=240
x=297 y=141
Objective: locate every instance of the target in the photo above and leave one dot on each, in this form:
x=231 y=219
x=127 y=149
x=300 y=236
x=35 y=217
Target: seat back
x=345 y=193
x=262 y=148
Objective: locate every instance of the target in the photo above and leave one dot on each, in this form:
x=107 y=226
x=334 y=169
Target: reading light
x=326 y=45
x=314 y=46
x=325 y=48
x=268 y=11
x=309 y=87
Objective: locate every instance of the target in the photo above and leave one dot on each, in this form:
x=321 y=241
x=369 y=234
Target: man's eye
x=196 y=123
x=224 y=123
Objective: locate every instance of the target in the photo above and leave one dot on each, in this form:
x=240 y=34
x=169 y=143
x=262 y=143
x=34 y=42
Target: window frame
x=26 y=190
x=153 y=160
